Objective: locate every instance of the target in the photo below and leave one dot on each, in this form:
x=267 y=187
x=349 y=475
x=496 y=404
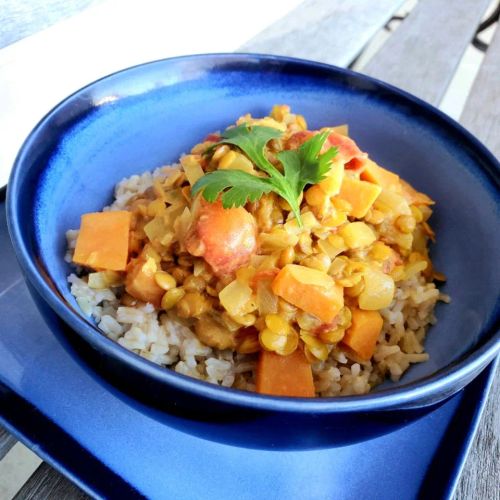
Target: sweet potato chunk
x=224 y=237
x=363 y=333
x=360 y=194
x=311 y=290
x=284 y=375
x=381 y=176
x=140 y=281
x=103 y=240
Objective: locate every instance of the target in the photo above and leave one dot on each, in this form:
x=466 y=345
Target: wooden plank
x=423 y=53
x=481 y=114
x=16 y=467
x=7 y=441
x=328 y=31
x=482 y=468
x=46 y=483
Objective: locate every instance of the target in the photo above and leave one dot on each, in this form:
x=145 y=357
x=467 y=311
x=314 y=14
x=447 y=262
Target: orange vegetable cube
x=381 y=176
x=360 y=194
x=311 y=290
x=103 y=240
x=284 y=375
x=363 y=333
x=140 y=281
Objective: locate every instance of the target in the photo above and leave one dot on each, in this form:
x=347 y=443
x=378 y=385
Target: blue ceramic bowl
x=146 y=116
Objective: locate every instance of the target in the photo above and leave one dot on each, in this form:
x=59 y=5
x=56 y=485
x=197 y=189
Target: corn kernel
x=398 y=273
x=320 y=261
x=314 y=347
x=277 y=324
x=171 y=297
x=220 y=151
x=191 y=304
x=374 y=216
x=415 y=268
x=332 y=336
x=315 y=196
x=249 y=345
x=406 y=223
x=150 y=266
x=280 y=111
x=345 y=317
x=245 y=319
x=235 y=161
x=307 y=321
x=281 y=344
x=165 y=280
x=305 y=243
x=380 y=251
x=194 y=284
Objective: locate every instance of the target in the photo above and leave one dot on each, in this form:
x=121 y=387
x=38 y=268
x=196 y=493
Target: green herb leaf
x=252 y=140
x=237 y=187
x=300 y=167
x=305 y=165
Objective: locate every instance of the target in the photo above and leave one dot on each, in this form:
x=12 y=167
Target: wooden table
x=420 y=56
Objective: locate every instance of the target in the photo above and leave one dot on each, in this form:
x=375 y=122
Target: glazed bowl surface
x=147 y=116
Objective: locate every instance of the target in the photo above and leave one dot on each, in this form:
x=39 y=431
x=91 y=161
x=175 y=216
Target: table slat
x=481 y=114
x=332 y=32
x=423 y=53
x=7 y=441
x=482 y=468
x=47 y=483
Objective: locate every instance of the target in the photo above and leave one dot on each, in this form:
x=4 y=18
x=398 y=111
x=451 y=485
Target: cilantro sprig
x=301 y=167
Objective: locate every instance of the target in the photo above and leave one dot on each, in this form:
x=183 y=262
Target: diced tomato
x=347 y=150
x=224 y=237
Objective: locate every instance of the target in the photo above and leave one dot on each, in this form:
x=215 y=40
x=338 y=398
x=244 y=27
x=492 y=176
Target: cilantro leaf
x=305 y=165
x=237 y=187
x=302 y=166
x=252 y=140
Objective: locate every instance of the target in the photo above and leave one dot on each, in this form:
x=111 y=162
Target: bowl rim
x=421 y=392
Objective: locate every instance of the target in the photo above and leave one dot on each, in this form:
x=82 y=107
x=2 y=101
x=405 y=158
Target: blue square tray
x=110 y=445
